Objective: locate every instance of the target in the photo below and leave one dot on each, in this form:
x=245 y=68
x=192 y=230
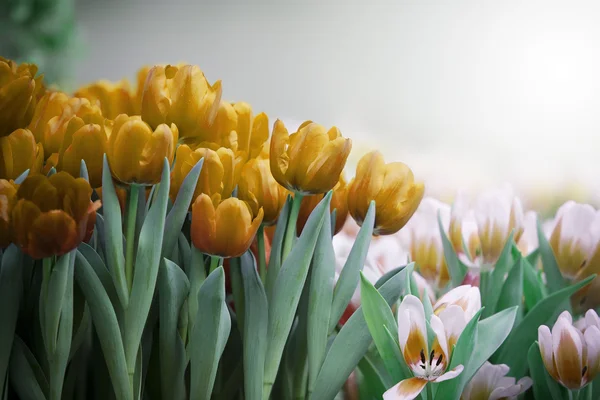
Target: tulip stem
x=214 y=263
x=132 y=204
x=290 y=231
x=262 y=257
x=429 y=391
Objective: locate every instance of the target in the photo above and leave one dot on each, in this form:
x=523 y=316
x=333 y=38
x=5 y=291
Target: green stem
x=262 y=257
x=429 y=391
x=290 y=231
x=215 y=261
x=47 y=271
x=132 y=204
x=237 y=287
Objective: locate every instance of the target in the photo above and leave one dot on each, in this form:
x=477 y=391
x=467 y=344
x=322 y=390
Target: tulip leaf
x=554 y=278
x=521 y=338
x=511 y=293
x=496 y=279
x=544 y=386
x=320 y=296
x=352 y=343
x=51 y=172
x=83 y=330
x=276 y=248
x=185 y=252
x=533 y=289
x=173 y=287
x=350 y=275
x=372 y=378
x=178 y=213
x=83 y=171
x=209 y=337
x=256 y=317
x=533 y=257
x=52 y=304
x=26 y=375
x=113 y=234
x=147 y=264
x=11 y=290
x=106 y=326
x=456 y=268
x=19 y=179
x=288 y=289
x=462 y=355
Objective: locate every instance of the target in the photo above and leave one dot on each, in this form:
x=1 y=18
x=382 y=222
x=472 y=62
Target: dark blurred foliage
x=41 y=32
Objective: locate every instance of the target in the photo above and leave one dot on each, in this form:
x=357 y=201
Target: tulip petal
x=278 y=156
x=412 y=330
x=203 y=230
x=326 y=168
x=454 y=322
x=545 y=342
x=592 y=341
x=567 y=347
x=53 y=233
x=407 y=389
x=453 y=373
x=441 y=339
x=592 y=319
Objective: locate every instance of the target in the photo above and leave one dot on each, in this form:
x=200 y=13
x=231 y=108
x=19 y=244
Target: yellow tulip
x=19 y=152
x=52 y=216
x=8 y=191
x=252 y=132
x=19 y=92
x=112 y=98
x=182 y=96
x=136 y=153
x=309 y=161
x=339 y=202
x=223 y=228
x=260 y=190
x=393 y=188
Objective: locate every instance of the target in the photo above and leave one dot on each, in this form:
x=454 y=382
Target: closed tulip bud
x=393 y=188
x=8 y=192
x=180 y=95
x=112 y=98
x=84 y=139
x=252 y=132
x=223 y=228
x=220 y=172
x=52 y=215
x=309 y=161
x=339 y=202
x=19 y=153
x=136 y=152
x=19 y=92
x=260 y=190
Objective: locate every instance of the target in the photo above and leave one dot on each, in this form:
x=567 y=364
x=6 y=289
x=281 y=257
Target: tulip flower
x=220 y=173
x=571 y=357
x=8 y=191
x=465 y=296
x=112 y=98
x=393 y=188
x=339 y=202
x=19 y=92
x=426 y=366
x=462 y=230
x=309 y=161
x=136 y=153
x=19 y=152
x=528 y=241
x=223 y=228
x=491 y=383
x=181 y=95
x=587 y=321
x=575 y=241
x=52 y=216
x=260 y=190
x=252 y=132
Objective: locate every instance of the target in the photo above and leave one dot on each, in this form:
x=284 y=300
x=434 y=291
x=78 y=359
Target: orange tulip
x=393 y=188
x=136 y=153
x=19 y=92
x=52 y=215
x=309 y=161
x=112 y=98
x=8 y=191
x=19 y=152
x=260 y=190
x=339 y=202
x=223 y=228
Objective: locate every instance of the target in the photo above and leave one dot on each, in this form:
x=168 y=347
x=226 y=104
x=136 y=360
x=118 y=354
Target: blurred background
x=469 y=93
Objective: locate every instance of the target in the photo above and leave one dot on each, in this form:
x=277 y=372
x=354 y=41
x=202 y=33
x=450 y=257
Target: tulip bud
x=339 y=202
x=223 y=228
x=309 y=161
x=252 y=132
x=8 y=192
x=112 y=98
x=393 y=188
x=136 y=153
x=19 y=153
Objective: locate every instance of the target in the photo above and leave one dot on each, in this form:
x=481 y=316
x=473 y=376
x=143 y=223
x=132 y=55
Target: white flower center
x=429 y=369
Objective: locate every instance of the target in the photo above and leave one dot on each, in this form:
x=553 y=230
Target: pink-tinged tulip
x=491 y=383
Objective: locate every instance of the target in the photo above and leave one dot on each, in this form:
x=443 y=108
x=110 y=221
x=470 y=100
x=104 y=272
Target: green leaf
x=83 y=171
x=185 y=252
x=83 y=331
x=113 y=234
x=532 y=258
x=147 y=264
x=456 y=269
x=106 y=325
x=495 y=283
x=351 y=344
x=276 y=248
x=53 y=303
x=209 y=335
x=511 y=294
x=526 y=332
x=319 y=301
x=554 y=278
x=177 y=215
x=26 y=376
x=11 y=290
x=374 y=380
x=173 y=287
x=22 y=177
x=544 y=386
x=350 y=275
x=532 y=287
x=378 y=317
x=255 y=328
x=288 y=288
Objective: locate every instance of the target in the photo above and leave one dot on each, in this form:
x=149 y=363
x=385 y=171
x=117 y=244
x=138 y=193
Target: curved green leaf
x=26 y=376
x=456 y=269
x=554 y=278
x=11 y=291
x=276 y=248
